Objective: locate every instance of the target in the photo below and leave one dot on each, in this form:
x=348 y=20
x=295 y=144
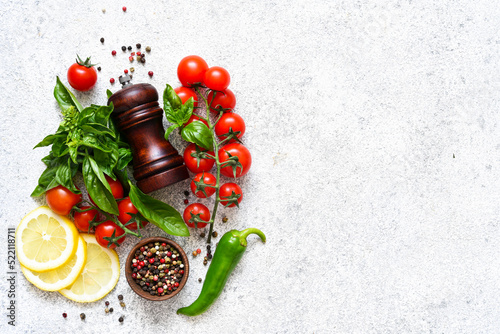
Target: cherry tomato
x=227 y=190
x=208 y=179
x=60 y=199
x=244 y=158
x=82 y=76
x=217 y=78
x=106 y=229
x=116 y=188
x=191 y=163
x=185 y=93
x=125 y=207
x=195 y=118
x=194 y=209
x=191 y=70
x=82 y=219
x=225 y=100
x=230 y=121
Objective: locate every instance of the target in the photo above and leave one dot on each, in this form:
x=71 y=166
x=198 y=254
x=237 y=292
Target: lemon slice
x=45 y=240
x=63 y=276
x=99 y=276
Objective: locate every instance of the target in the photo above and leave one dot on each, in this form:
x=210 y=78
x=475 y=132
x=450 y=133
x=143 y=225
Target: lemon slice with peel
x=63 y=276
x=99 y=276
x=45 y=240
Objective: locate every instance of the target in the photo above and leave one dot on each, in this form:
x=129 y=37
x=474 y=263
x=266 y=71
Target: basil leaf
x=91 y=141
x=123 y=177
x=98 y=129
x=59 y=148
x=170 y=129
x=124 y=158
x=171 y=101
x=186 y=112
x=64 y=176
x=44 y=180
x=198 y=133
x=109 y=93
x=64 y=97
x=49 y=140
x=99 y=191
x=102 y=114
x=158 y=213
x=86 y=114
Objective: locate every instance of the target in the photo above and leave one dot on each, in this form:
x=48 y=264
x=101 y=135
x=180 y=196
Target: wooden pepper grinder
x=138 y=117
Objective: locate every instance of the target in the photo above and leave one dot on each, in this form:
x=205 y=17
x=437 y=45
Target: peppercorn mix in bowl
x=157 y=268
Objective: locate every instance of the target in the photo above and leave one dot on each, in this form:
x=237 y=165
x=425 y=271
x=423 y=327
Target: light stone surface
x=374 y=131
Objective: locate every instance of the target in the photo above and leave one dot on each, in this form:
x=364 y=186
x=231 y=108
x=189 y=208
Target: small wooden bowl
x=136 y=287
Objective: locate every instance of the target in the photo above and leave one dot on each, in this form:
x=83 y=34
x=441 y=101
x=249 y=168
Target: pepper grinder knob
x=139 y=118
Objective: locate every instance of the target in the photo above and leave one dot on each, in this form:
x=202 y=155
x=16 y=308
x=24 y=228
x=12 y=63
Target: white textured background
x=374 y=132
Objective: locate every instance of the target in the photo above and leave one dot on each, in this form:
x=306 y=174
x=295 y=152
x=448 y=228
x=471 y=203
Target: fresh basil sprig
x=179 y=114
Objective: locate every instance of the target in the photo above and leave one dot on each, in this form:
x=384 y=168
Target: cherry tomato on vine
x=185 y=93
x=125 y=207
x=208 y=179
x=227 y=190
x=60 y=199
x=217 y=78
x=224 y=100
x=82 y=219
x=195 y=209
x=106 y=229
x=195 y=118
x=191 y=162
x=191 y=70
x=242 y=165
x=230 y=121
x=116 y=188
x=82 y=75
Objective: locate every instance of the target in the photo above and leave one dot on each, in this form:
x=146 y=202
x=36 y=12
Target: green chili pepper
x=231 y=247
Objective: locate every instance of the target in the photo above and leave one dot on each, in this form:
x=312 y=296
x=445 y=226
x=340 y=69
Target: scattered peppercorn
x=209 y=256
x=106 y=310
x=186 y=193
x=199 y=279
x=124 y=8
x=202 y=235
x=99 y=68
x=138 y=45
x=111 y=310
x=107 y=303
x=224 y=220
x=102 y=39
x=214 y=234
x=139 y=53
x=198 y=251
x=122 y=304
x=195 y=253
x=104 y=11
x=112 y=80
x=124 y=48
x=148 y=49
x=120 y=297
x=132 y=70
x=131 y=58
x=129 y=48
x=150 y=73
x=205 y=262
x=186 y=201
x=143 y=60
x=125 y=71
x=113 y=52
x=208 y=248
x=82 y=316
x=120 y=319
x=65 y=315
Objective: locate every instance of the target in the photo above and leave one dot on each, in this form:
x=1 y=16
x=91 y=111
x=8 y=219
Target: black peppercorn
x=111 y=310
x=129 y=48
x=143 y=60
x=138 y=45
x=82 y=316
x=120 y=319
x=209 y=256
x=64 y=315
x=107 y=303
x=199 y=279
x=214 y=234
x=124 y=48
x=120 y=297
x=186 y=193
x=208 y=247
x=99 y=68
x=102 y=39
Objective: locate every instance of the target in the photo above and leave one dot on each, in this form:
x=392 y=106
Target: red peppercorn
x=139 y=267
x=131 y=58
x=163 y=244
x=143 y=249
x=112 y=80
x=147 y=284
x=176 y=284
x=141 y=263
x=113 y=52
x=124 y=8
x=64 y=315
x=198 y=251
x=149 y=254
x=162 y=260
x=132 y=54
x=169 y=289
x=125 y=71
x=138 y=53
x=151 y=260
x=134 y=275
x=186 y=201
x=150 y=73
x=181 y=272
x=155 y=278
x=134 y=264
x=169 y=254
x=160 y=290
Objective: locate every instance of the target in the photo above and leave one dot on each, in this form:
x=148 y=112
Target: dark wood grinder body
x=138 y=117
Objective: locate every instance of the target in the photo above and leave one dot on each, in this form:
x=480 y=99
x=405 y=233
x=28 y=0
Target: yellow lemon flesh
x=57 y=279
x=45 y=240
x=99 y=275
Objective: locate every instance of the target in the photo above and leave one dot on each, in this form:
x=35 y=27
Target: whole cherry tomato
x=227 y=190
x=195 y=118
x=191 y=70
x=208 y=179
x=204 y=165
x=185 y=93
x=224 y=100
x=195 y=209
x=230 y=121
x=82 y=75
x=125 y=207
x=60 y=199
x=244 y=158
x=82 y=219
x=217 y=78
x=105 y=230
x=116 y=188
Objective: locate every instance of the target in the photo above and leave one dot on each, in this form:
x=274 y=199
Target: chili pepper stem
x=245 y=233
